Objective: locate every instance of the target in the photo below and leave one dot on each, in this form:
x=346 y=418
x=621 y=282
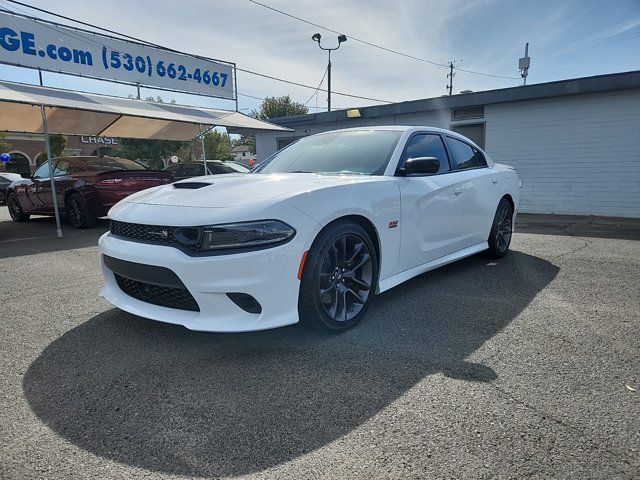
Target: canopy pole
x=204 y=156
x=51 y=172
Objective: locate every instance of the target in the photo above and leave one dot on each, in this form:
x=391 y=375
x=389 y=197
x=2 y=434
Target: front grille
x=179 y=298
x=144 y=233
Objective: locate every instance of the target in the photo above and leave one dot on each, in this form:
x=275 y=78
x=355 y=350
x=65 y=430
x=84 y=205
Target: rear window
x=108 y=164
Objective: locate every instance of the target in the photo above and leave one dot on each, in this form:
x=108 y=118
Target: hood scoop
x=191 y=185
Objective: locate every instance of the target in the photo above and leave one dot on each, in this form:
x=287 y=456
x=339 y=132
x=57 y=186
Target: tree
x=4 y=146
x=151 y=153
x=217 y=146
x=56 y=144
x=274 y=107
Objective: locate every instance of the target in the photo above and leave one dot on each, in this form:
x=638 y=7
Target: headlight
x=245 y=235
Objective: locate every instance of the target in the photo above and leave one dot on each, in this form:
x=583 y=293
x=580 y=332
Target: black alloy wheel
x=339 y=278
x=15 y=210
x=501 y=230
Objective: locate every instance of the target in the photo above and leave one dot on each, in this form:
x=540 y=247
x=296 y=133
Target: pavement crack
x=614 y=452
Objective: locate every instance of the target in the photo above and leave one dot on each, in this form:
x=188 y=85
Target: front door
x=432 y=205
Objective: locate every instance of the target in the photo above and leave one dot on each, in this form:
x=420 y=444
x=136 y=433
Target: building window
x=19 y=163
x=467 y=113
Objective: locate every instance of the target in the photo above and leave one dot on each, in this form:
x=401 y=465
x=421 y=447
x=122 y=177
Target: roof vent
x=468 y=113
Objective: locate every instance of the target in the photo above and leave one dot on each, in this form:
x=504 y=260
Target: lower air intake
x=178 y=298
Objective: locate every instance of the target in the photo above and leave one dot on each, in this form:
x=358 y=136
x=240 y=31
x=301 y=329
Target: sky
x=487 y=36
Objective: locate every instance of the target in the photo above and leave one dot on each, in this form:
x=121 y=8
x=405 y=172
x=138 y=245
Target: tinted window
x=218 y=167
x=61 y=168
x=364 y=152
x=427 y=145
x=463 y=155
x=107 y=164
x=194 y=170
x=42 y=171
x=482 y=162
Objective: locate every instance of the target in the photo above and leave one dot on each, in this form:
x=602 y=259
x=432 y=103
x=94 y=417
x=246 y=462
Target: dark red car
x=86 y=187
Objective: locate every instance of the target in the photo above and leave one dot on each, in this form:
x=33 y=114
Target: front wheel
x=15 y=210
x=501 y=230
x=338 y=278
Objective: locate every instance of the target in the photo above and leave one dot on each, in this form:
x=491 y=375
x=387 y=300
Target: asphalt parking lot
x=526 y=367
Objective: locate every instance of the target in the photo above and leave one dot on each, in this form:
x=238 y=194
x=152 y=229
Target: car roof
x=409 y=129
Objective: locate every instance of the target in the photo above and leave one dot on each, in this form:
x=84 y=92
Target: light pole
x=316 y=38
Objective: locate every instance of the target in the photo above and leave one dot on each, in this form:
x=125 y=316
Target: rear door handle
x=458 y=190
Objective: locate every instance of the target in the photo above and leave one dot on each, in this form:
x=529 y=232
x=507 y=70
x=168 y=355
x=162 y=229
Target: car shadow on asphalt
x=166 y=399
x=38 y=235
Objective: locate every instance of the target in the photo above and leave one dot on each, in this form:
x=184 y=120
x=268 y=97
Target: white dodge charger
x=311 y=234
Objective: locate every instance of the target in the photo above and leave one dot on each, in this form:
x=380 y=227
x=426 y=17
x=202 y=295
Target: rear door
x=61 y=179
x=432 y=211
x=478 y=190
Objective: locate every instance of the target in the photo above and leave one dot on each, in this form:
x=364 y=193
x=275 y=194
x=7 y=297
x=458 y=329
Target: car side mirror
x=421 y=166
x=25 y=175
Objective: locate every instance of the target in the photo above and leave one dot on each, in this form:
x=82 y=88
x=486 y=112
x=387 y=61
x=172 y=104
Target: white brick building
x=575 y=143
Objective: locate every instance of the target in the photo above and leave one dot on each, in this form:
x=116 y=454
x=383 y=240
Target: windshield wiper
x=299 y=171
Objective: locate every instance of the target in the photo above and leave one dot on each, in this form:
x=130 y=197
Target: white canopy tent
x=74 y=113
x=35 y=109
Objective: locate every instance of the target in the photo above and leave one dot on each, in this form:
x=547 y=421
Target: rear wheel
x=78 y=213
x=338 y=278
x=15 y=210
x=501 y=230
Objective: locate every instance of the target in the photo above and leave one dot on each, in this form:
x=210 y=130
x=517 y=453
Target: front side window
x=359 y=152
x=42 y=171
x=426 y=145
x=464 y=155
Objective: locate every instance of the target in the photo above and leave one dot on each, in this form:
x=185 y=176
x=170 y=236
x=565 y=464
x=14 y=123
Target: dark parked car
x=5 y=180
x=184 y=170
x=86 y=187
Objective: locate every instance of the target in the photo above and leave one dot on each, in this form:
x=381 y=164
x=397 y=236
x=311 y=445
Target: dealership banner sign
x=27 y=42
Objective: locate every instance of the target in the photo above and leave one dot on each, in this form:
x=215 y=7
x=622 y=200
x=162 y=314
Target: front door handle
x=458 y=190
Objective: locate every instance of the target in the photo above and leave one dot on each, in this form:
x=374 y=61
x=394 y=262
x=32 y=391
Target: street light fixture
x=316 y=37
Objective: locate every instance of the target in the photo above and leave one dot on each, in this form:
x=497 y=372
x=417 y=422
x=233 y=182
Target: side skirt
x=401 y=277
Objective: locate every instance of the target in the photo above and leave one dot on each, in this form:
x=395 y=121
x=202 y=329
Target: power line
x=386 y=49
x=319 y=85
x=130 y=37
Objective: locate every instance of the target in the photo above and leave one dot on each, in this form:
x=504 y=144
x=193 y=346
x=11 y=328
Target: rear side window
x=426 y=145
x=61 y=168
x=464 y=155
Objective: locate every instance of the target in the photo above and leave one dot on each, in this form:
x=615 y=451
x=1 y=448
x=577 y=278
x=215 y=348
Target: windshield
x=363 y=152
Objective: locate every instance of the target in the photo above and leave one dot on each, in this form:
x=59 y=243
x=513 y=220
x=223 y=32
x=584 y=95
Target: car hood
x=232 y=190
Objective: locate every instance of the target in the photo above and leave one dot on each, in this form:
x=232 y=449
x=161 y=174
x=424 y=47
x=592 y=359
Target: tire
x=77 y=212
x=501 y=230
x=15 y=210
x=339 y=278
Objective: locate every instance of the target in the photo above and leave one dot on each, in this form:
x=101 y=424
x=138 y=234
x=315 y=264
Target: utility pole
x=450 y=76
x=329 y=83
x=524 y=63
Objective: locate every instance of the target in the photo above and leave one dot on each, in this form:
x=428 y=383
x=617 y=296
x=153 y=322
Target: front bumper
x=269 y=276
